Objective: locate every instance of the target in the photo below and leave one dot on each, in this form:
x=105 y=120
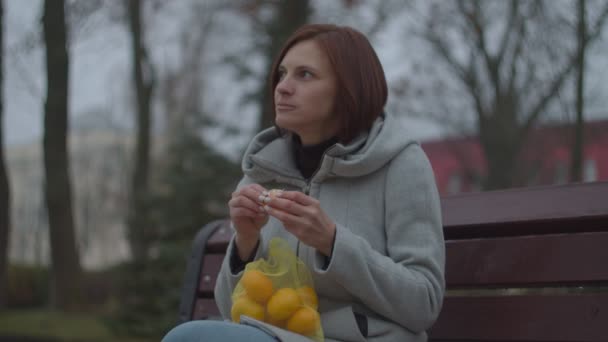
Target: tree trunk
x=5 y=204
x=500 y=138
x=577 y=155
x=289 y=17
x=66 y=273
x=143 y=76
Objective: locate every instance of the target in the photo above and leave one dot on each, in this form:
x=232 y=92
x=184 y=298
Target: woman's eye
x=281 y=74
x=305 y=74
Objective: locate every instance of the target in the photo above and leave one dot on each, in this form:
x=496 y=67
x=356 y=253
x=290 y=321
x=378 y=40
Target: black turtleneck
x=308 y=157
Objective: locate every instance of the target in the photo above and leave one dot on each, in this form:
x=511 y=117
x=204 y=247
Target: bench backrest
x=521 y=265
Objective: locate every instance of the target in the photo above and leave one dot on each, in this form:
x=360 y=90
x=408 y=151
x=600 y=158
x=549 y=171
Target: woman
x=359 y=205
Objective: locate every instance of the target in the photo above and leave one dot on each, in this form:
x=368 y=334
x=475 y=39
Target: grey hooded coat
x=388 y=257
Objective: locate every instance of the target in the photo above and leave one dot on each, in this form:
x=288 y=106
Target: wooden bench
x=522 y=265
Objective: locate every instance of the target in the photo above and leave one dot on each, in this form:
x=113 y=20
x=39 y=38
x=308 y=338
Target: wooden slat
x=190 y=287
x=535 y=210
x=553 y=209
x=218 y=242
x=205 y=308
x=526 y=261
x=209 y=269
x=582 y=318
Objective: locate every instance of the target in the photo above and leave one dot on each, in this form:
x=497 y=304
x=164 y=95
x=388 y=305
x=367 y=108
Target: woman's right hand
x=248 y=217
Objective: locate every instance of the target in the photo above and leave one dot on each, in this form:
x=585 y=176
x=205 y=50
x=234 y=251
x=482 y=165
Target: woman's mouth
x=284 y=107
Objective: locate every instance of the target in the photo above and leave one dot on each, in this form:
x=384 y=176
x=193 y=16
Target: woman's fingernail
x=267 y=200
x=265 y=193
x=261 y=198
x=261 y=209
x=266 y=208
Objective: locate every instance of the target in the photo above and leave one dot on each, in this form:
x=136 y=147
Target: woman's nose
x=285 y=86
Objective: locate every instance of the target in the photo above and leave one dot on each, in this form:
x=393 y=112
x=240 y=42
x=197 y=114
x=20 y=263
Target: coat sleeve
x=406 y=285
x=227 y=278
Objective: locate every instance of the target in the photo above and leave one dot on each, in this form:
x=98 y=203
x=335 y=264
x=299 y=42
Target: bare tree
x=583 y=36
x=181 y=88
x=5 y=198
x=66 y=272
x=143 y=76
x=371 y=17
x=272 y=31
x=510 y=67
x=289 y=15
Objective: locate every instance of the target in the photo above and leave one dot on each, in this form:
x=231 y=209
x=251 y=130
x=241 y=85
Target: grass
x=57 y=326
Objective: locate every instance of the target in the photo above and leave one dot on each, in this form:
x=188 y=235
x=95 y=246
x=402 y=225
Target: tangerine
x=304 y=321
x=258 y=286
x=309 y=296
x=283 y=304
x=274 y=193
x=248 y=307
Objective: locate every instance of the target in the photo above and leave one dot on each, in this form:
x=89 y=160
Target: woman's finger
x=290 y=221
x=298 y=197
x=245 y=202
x=252 y=192
x=286 y=205
x=245 y=212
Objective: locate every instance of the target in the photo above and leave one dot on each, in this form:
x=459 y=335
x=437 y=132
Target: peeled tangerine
x=258 y=286
x=283 y=304
x=304 y=321
x=248 y=307
x=274 y=193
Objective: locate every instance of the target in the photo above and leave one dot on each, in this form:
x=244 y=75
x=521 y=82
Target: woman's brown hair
x=361 y=84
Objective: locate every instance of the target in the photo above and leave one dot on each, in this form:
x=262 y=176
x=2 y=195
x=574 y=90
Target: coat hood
x=270 y=157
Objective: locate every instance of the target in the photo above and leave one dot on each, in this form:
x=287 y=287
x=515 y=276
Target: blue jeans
x=216 y=331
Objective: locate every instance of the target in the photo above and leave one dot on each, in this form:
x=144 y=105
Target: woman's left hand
x=303 y=217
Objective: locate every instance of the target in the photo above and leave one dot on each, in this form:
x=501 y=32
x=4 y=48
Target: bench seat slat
x=524 y=318
x=218 y=242
x=556 y=204
x=205 y=308
x=210 y=268
x=527 y=261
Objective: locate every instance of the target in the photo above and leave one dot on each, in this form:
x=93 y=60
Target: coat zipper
x=306 y=189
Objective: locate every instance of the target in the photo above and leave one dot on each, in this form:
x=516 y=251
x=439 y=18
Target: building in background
x=99 y=174
x=459 y=164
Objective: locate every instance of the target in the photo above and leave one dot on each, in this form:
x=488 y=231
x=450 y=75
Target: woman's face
x=304 y=96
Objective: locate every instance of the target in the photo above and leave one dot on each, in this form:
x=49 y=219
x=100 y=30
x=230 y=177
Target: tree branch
x=509 y=29
x=474 y=91
x=384 y=11
x=442 y=49
x=474 y=18
x=559 y=79
x=597 y=30
x=528 y=84
x=555 y=85
x=517 y=50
